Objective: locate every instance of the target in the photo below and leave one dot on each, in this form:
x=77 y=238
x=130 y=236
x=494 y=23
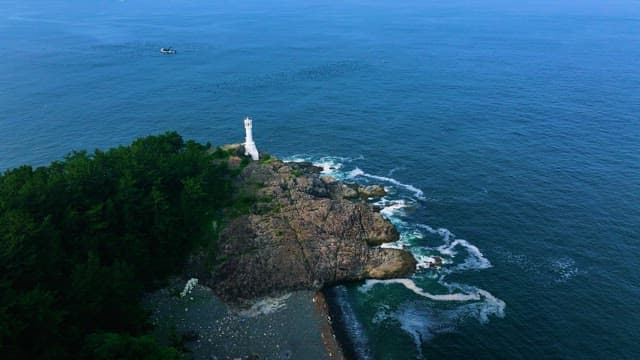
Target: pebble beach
x=293 y=326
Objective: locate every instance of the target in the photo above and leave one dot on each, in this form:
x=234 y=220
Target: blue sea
x=507 y=134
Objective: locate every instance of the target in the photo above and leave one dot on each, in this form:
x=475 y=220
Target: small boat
x=167 y=51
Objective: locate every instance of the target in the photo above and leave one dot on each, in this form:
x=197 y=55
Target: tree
x=84 y=237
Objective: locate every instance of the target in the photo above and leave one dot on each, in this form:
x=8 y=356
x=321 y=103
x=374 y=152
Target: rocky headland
x=289 y=232
x=293 y=229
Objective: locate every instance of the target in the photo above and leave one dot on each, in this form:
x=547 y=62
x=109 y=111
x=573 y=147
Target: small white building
x=250 y=148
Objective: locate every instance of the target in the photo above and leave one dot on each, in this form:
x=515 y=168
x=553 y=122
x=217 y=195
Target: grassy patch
x=267 y=159
x=221 y=154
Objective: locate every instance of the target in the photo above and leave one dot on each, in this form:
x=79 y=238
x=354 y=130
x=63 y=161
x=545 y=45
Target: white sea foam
x=419 y=194
x=490 y=304
x=382 y=314
x=444 y=233
x=355 y=173
x=352 y=324
x=565 y=269
x=407 y=239
x=420 y=324
x=327 y=167
x=428 y=228
x=424 y=261
x=296 y=158
x=265 y=306
x=424 y=322
x=331 y=165
x=409 y=284
x=393 y=208
x=549 y=271
x=392 y=171
x=475 y=260
x=416 y=326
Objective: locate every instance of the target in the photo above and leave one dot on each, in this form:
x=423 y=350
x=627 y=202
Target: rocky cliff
x=299 y=230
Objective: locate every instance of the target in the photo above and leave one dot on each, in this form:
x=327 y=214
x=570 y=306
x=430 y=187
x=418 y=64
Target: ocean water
x=507 y=135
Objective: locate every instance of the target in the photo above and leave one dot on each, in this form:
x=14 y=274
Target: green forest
x=82 y=239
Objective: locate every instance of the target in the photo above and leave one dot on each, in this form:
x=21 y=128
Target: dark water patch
x=347 y=328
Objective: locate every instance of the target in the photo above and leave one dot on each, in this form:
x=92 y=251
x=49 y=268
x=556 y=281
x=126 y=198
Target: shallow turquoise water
x=518 y=124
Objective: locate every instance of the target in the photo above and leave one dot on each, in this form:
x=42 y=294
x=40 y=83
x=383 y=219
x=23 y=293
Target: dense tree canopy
x=83 y=238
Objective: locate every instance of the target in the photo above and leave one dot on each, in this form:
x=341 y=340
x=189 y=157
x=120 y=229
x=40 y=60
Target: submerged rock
x=301 y=233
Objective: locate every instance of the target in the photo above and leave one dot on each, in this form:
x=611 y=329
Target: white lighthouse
x=250 y=148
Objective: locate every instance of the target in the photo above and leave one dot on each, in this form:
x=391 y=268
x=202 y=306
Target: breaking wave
x=419 y=194
x=409 y=284
x=331 y=165
x=420 y=317
x=392 y=209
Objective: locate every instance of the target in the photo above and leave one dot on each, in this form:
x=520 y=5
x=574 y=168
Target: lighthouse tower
x=250 y=148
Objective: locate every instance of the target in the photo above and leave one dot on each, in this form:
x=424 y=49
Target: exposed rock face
x=353 y=191
x=371 y=191
x=301 y=233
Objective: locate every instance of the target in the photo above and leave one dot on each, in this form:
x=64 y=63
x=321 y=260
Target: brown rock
x=311 y=238
x=389 y=263
x=370 y=191
x=347 y=192
x=328 y=179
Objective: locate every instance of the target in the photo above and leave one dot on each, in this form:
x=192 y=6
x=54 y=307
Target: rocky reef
x=299 y=230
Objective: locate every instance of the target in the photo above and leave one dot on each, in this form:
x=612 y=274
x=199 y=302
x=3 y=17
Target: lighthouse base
x=250 y=149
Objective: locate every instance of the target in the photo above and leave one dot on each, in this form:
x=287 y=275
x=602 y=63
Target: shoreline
x=293 y=326
x=327 y=328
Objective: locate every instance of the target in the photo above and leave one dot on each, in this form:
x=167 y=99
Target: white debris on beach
x=291 y=326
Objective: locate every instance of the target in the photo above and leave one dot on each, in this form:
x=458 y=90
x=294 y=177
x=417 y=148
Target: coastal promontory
x=291 y=228
x=122 y=251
